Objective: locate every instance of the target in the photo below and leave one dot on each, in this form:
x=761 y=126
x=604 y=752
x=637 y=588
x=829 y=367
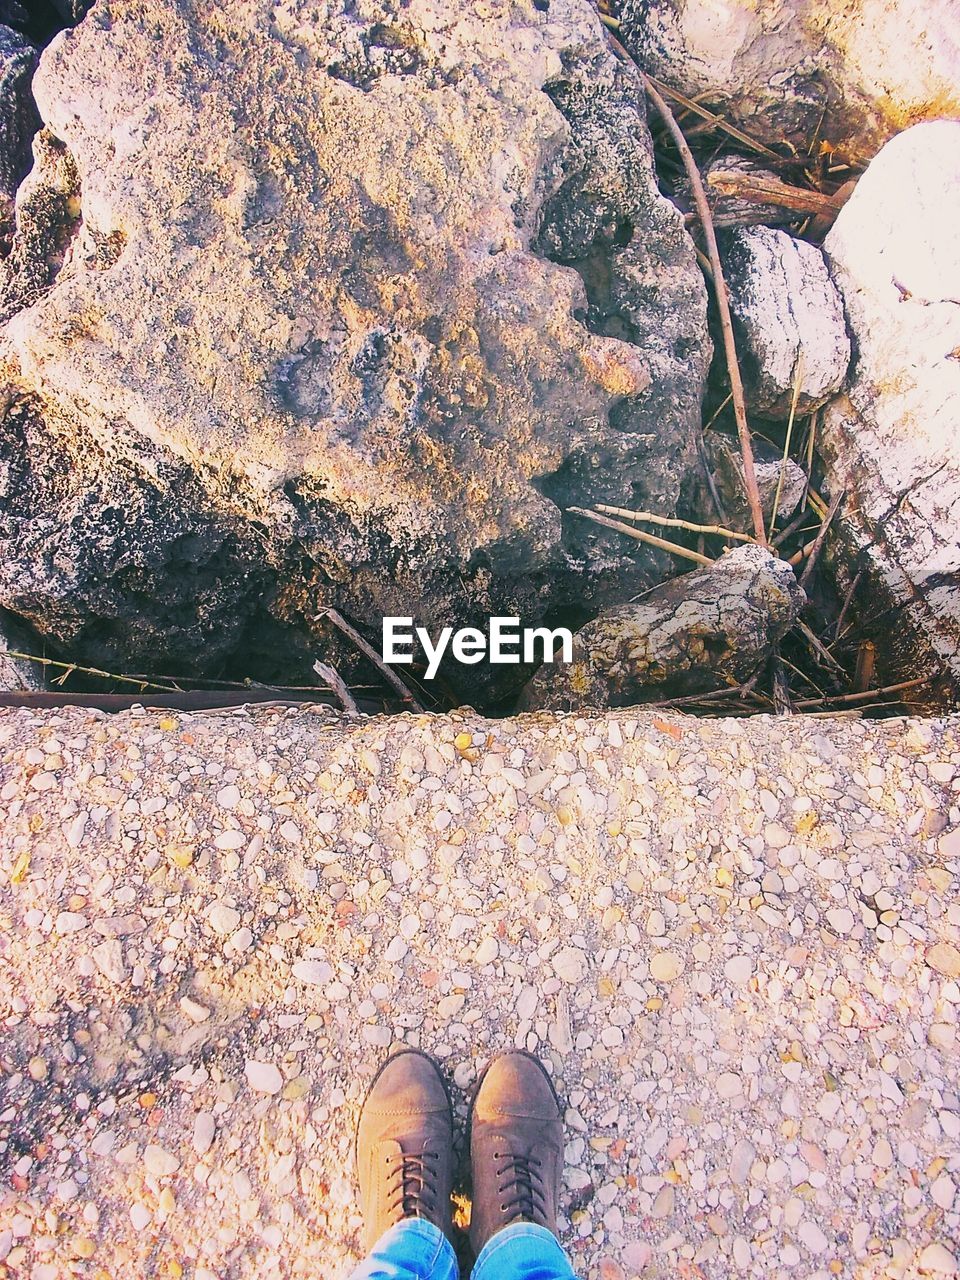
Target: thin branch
x=368 y=651
x=798 y=556
x=674 y=523
x=711 y=483
x=673 y=547
x=825 y=656
x=717 y=412
x=866 y=696
x=847 y=601
x=782 y=702
x=67 y=668
x=821 y=538
x=798 y=374
x=802 y=674
x=718 y=122
x=792 y=528
x=337 y=686
x=757 y=188
x=723 y=305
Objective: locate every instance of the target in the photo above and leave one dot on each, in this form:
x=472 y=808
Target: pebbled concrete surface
x=736 y=944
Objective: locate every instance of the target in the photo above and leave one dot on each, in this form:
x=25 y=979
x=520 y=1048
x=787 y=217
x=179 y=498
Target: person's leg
x=405 y=1171
x=523 y=1251
x=516 y=1155
x=414 y=1249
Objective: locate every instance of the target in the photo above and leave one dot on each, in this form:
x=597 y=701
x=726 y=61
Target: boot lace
x=412 y=1189
x=520 y=1184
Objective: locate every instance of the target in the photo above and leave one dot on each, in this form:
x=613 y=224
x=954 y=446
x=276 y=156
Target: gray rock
x=16 y=674
x=786 y=310
x=19 y=120
x=353 y=335
x=850 y=75
x=700 y=631
x=726 y=465
x=892 y=441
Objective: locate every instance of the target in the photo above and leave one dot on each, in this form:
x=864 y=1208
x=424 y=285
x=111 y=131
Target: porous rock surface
x=850 y=75
x=17 y=674
x=892 y=441
x=18 y=120
x=736 y=943
x=788 y=317
x=351 y=302
x=703 y=630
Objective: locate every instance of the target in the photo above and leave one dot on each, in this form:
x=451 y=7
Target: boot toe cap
x=409 y=1081
x=516 y=1084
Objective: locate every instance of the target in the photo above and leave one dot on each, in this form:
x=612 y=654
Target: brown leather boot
x=516 y=1147
x=405 y=1147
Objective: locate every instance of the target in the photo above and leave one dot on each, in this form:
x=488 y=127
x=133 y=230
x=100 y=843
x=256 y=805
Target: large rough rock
x=734 y=943
x=704 y=630
x=18 y=121
x=350 y=307
x=851 y=75
x=892 y=441
x=788 y=316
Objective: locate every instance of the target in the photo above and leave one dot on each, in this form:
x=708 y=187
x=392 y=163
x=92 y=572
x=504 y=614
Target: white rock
x=108 y=957
x=160 y=1163
x=811 y=1237
x=230 y=839
x=204 y=1127
x=315 y=973
x=789 y=315
x=527 y=1002
x=264 y=1077
x=396 y=950
x=242 y=940
x=449 y=1006
x=222 y=919
x=893 y=438
x=738 y=970
x=140 y=1216
x=486 y=952
x=854 y=73
x=943 y=1191
x=70 y=922
x=656 y=925
x=937 y=1259
x=841 y=920
x=194 y=1011
x=570 y=964
x=741 y=1160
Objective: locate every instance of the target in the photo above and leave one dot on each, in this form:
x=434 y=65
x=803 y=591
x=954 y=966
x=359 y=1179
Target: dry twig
x=866 y=695
x=720 y=289
x=673 y=522
x=821 y=538
x=673 y=547
x=797 y=375
x=368 y=651
x=337 y=686
x=759 y=189
x=715 y=120
x=68 y=668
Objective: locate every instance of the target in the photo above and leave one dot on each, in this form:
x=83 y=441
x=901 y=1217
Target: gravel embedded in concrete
x=736 y=943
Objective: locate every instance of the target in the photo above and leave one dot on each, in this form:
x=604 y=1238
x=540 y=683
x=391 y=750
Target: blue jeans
x=416 y=1250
